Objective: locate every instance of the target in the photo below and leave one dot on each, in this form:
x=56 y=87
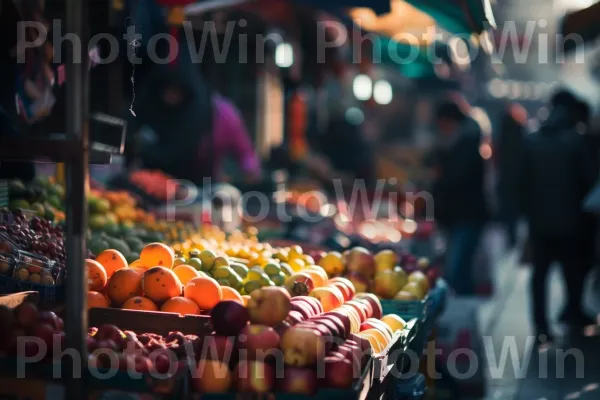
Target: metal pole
x=76 y=192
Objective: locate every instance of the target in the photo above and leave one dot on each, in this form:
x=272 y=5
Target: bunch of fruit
x=43 y=196
x=105 y=344
x=292 y=344
x=38 y=236
x=156 y=183
x=386 y=274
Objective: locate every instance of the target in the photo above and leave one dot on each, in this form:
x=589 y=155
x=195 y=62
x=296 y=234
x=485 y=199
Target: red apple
x=254 y=376
x=341 y=326
x=368 y=306
x=218 y=348
x=361 y=308
x=311 y=302
x=359 y=281
x=110 y=332
x=229 y=318
x=161 y=361
x=50 y=318
x=330 y=325
x=294 y=317
x=340 y=372
x=373 y=323
x=344 y=281
x=301 y=381
x=303 y=308
x=352 y=353
x=302 y=347
x=259 y=341
x=212 y=377
x=375 y=303
x=269 y=306
x=283 y=327
x=345 y=290
x=46 y=333
x=361 y=260
x=27 y=315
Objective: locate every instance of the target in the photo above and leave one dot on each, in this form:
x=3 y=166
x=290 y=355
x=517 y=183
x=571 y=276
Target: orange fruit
x=206 y=292
x=140 y=303
x=157 y=254
x=111 y=260
x=318 y=275
x=185 y=273
x=160 y=284
x=96 y=275
x=375 y=345
x=381 y=337
x=123 y=285
x=212 y=377
x=245 y=299
x=138 y=264
x=180 y=305
x=97 y=300
x=139 y=270
x=395 y=322
x=231 y=294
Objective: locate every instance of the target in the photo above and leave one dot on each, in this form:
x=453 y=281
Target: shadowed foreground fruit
x=298 y=381
x=212 y=377
x=140 y=303
x=97 y=277
x=254 y=376
x=180 y=305
x=269 y=306
x=302 y=347
x=229 y=318
x=259 y=341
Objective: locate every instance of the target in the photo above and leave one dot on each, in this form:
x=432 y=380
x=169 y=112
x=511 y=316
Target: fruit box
x=390 y=360
x=407 y=309
x=360 y=390
x=49 y=295
x=157 y=322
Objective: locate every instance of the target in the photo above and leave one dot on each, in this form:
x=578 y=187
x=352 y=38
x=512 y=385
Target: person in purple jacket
x=186 y=129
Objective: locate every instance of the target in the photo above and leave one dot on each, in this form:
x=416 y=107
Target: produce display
x=43 y=196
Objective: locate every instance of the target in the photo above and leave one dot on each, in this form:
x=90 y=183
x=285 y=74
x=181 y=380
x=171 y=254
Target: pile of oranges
x=153 y=283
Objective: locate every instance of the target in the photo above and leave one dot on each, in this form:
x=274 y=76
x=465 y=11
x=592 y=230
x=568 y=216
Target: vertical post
x=76 y=191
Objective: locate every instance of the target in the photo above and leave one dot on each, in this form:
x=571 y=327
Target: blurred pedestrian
x=507 y=152
x=460 y=205
x=188 y=130
x=556 y=175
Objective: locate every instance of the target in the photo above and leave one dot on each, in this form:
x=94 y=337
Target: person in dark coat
x=9 y=71
x=507 y=150
x=556 y=175
x=458 y=192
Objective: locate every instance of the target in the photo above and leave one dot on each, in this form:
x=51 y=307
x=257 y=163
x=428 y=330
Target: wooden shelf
x=23 y=148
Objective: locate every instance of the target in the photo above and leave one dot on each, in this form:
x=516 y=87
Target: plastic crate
x=3 y=193
x=407 y=309
x=50 y=296
x=412 y=388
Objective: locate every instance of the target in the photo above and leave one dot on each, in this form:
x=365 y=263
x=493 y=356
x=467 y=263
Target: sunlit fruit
x=160 y=284
x=389 y=282
x=395 y=322
x=123 y=285
x=185 y=273
x=231 y=294
x=205 y=292
x=180 y=305
x=157 y=254
x=329 y=298
x=420 y=278
x=259 y=341
x=97 y=277
x=269 y=306
x=111 y=260
x=360 y=260
x=385 y=260
x=416 y=289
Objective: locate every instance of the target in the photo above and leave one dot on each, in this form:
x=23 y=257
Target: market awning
x=459 y=16
x=583 y=24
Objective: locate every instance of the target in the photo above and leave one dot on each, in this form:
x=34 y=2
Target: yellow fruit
x=297 y=264
x=395 y=322
x=332 y=263
x=185 y=273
